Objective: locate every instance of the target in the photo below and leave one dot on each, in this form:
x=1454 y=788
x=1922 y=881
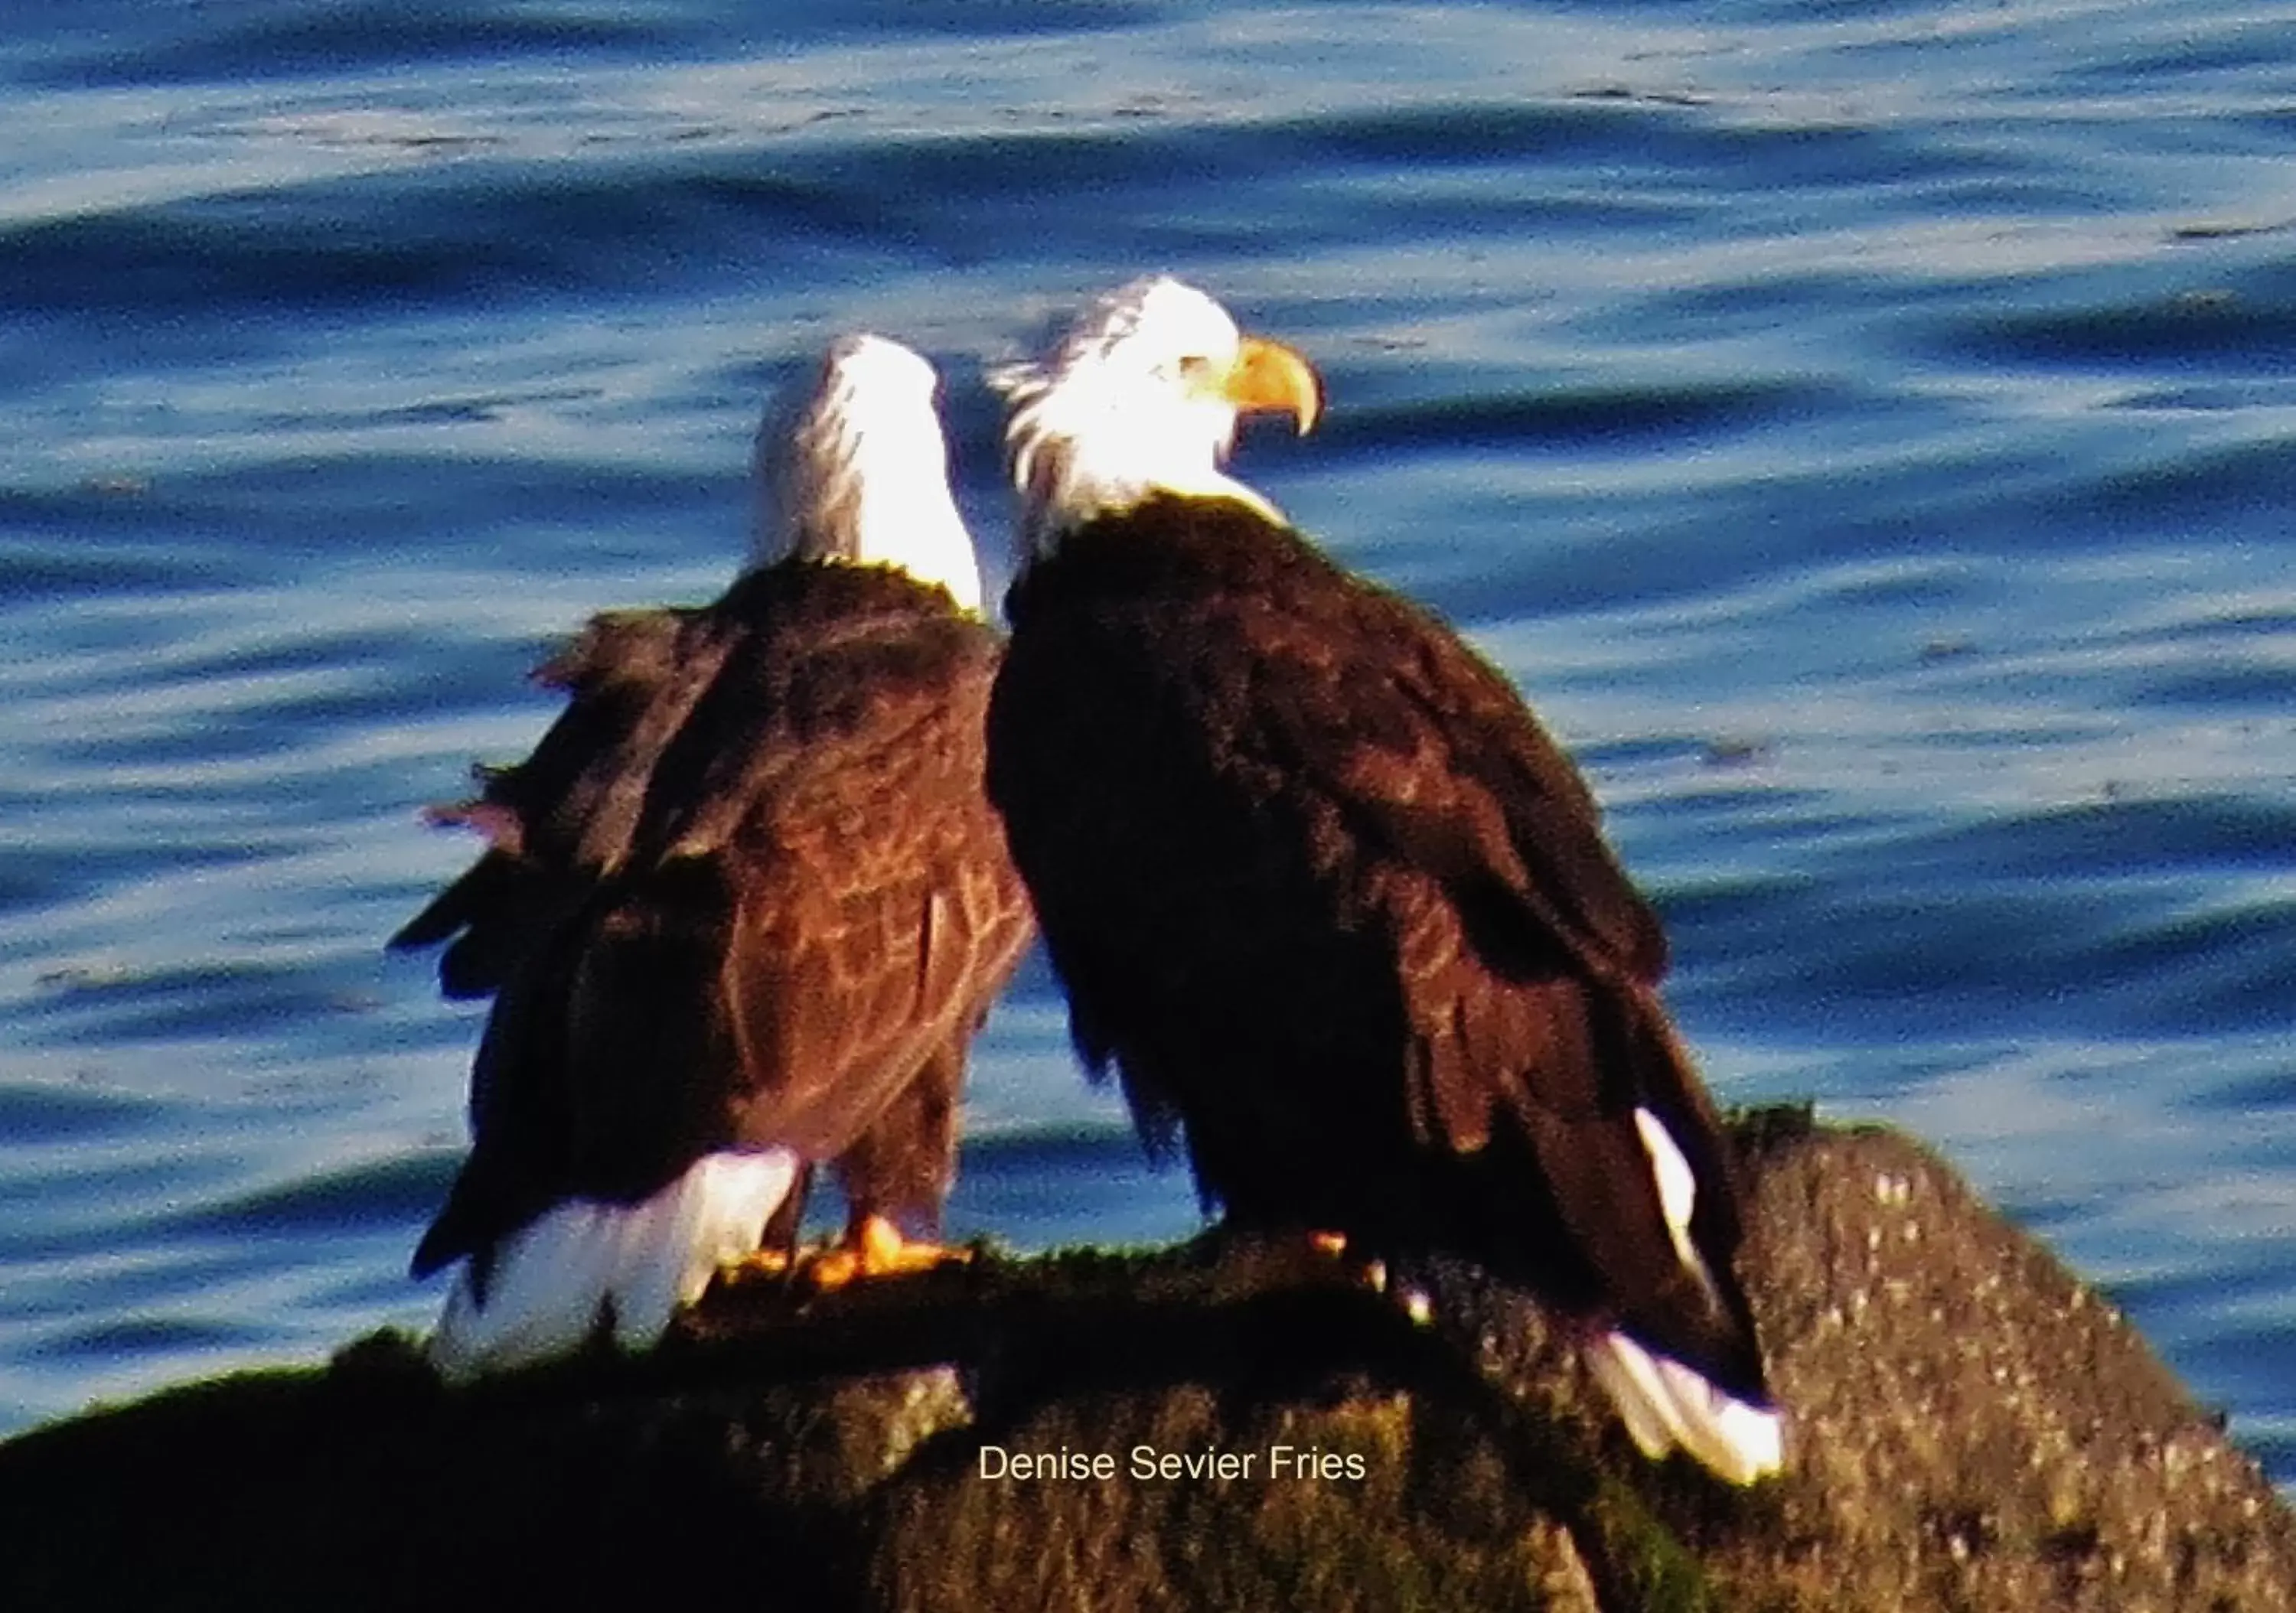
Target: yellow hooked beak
x=1269 y=376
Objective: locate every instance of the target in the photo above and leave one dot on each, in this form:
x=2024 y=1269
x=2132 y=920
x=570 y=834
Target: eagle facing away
x=743 y=908
x=1327 y=897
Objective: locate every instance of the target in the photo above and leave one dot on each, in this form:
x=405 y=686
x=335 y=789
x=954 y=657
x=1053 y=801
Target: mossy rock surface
x=1971 y=1428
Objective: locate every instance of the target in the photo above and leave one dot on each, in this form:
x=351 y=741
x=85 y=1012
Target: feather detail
x=1666 y=1405
x=586 y=1266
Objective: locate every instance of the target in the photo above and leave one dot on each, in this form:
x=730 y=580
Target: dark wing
x=1430 y=759
x=1527 y=959
x=564 y=817
x=1529 y=965
x=813 y=898
x=557 y=825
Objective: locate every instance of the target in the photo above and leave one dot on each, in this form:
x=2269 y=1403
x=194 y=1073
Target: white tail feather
x=1677 y=1196
x=1665 y=1404
x=555 y=1278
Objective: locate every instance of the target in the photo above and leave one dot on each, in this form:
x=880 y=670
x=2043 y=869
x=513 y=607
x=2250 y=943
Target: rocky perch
x=1222 y=1426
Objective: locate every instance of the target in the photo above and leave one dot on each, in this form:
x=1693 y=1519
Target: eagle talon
x=759 y=1265
x=1370 y=1271
x=874 y=1246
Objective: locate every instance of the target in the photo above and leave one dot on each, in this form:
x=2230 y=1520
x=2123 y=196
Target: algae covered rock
x=1973 y=1428
x=1227 y=1425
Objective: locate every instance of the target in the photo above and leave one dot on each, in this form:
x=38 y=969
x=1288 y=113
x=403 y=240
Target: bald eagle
x=743 y=907
x=1327 y=897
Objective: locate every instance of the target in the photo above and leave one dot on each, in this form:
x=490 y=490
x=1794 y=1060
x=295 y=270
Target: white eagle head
x=1141 y=396
x=858 y=470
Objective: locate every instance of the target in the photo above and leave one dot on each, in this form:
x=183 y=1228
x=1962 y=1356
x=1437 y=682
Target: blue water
x=1867 y=429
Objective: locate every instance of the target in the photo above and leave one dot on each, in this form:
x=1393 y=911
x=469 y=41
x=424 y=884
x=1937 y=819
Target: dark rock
x=1970 y=1430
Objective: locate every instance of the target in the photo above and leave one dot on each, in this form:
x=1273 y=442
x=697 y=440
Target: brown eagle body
x=746 y=893
x=1338 y=910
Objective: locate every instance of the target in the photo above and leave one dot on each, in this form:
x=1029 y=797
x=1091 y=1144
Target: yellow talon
x=874 y=1246
x=758 y=1265
x=1333 y=1246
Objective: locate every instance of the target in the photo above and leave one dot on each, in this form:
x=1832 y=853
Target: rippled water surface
x=1868 y=430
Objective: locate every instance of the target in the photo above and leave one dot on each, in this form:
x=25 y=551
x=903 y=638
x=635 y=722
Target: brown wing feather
x=1547 y=1071
x=875 y=901
x=1432 y=758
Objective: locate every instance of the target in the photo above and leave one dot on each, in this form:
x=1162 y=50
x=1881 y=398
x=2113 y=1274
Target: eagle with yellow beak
x=1327 y=897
